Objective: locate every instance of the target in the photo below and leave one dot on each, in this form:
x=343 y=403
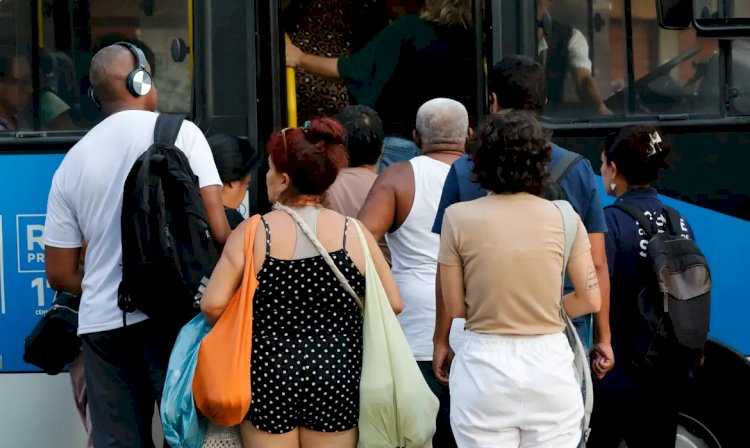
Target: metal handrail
x=291 y=94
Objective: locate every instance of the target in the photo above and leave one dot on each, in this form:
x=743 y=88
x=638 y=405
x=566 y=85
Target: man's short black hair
x=364 y=134
x=518 y=82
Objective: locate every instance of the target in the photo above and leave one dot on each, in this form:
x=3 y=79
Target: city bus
x=682 y=65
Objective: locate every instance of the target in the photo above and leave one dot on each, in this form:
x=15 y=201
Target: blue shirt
x=629 y=272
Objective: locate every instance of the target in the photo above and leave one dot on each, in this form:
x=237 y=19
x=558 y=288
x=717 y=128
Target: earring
x=612 y=187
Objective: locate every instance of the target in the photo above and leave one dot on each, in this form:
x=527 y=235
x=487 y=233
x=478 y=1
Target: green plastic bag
x=396 y=406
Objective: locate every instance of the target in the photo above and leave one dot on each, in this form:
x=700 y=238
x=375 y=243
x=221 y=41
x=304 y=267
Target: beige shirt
x=349 y=191
x=511 y=250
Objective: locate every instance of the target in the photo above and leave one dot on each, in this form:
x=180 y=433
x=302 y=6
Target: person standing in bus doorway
x=563 y=50
x=401 y=206
x=16 y=87
x=638 y=405
x=416 y=58
x=328 y=28
x=125 y=365
x=517 y=82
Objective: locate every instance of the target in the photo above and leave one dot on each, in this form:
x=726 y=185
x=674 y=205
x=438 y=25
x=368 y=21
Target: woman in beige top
x=501 y=261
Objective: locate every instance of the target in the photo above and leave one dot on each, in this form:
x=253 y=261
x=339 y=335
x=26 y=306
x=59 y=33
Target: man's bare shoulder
x=395 y=175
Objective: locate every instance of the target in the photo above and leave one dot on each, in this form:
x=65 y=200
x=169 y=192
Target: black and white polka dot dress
x=307 y=345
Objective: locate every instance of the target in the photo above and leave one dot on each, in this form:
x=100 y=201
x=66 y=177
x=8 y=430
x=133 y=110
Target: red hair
x=312 y=157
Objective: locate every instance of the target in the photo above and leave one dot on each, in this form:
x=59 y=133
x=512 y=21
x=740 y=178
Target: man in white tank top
x=401 y=206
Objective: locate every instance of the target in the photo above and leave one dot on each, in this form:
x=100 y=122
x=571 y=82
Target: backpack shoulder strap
x=566 y=162
x=636 y=214
x=674 y=219
x=167 y=128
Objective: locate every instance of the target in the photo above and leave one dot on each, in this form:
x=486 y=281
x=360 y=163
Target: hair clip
x=654 y=141
x=306 y=126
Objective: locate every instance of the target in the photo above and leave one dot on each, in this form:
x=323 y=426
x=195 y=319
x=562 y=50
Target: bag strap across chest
x=322 y=251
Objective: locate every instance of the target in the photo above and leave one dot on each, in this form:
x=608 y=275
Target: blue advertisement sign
x=24 y=292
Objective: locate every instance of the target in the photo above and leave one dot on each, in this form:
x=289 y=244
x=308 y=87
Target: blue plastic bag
x=183 y=426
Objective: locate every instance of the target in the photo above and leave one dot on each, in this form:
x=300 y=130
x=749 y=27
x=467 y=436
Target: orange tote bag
x=221 y=386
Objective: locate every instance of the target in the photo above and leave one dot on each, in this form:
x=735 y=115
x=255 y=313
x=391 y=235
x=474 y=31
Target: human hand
x=602 y=359
x=442 y=357
x=293 y=55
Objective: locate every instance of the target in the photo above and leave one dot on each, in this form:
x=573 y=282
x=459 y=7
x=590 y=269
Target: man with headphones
x=125 y=365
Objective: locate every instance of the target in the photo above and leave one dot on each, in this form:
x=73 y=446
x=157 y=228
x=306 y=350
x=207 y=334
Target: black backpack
x=552 y=190
x=167 y=251
x=675 y=304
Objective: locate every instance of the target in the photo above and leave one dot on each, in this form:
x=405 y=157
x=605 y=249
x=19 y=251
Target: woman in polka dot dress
x=307 y=330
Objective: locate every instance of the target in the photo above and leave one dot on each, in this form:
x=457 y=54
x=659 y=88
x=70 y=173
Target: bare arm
x=586 y=297
x=316 y=65
x=442 y=354
x=384 y=272
x=226 y=276
x=379 y=210
x=442 y=320
x=217 y=219
x=602 y=353
x=588 y=91
x=599 y=257
x=452 y=284
x=64 y=272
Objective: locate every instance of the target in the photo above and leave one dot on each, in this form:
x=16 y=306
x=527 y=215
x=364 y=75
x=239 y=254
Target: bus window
x=16 y=76
x=671 y=72
x=58 y=53
x=675 y=72
x=576 y=69
x=740 y=95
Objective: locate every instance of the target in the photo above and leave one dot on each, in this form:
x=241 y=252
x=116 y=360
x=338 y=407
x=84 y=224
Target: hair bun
x=325 y=130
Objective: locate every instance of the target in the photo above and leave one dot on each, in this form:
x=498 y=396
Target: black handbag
x=53 y=342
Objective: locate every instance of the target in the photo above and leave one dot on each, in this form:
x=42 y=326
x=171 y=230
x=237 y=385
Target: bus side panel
x=38 y=410
x=24 y=292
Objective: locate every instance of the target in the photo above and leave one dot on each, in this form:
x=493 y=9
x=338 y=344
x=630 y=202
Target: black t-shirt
x=409 y=63
x=234 y=217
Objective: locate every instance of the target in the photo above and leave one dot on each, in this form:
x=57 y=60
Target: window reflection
x=16 y=88
x=740 y=98
x=55 y=59
x=672 y=72
x=563 y=47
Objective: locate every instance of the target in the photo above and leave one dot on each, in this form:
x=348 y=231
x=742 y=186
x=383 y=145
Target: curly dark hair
x=638 y=157
x=512 y=153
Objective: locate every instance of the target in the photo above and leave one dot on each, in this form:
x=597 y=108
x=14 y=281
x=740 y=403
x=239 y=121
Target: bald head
x=109 y=73
x=442 y=121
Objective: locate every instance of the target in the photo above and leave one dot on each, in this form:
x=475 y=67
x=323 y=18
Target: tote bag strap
x=322 y=251
x=571 y=230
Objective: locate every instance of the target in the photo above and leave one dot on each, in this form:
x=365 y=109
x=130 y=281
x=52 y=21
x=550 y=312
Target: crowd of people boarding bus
x=470 y=256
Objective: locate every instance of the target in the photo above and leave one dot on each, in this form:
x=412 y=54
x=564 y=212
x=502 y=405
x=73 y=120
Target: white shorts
x=515 y=391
